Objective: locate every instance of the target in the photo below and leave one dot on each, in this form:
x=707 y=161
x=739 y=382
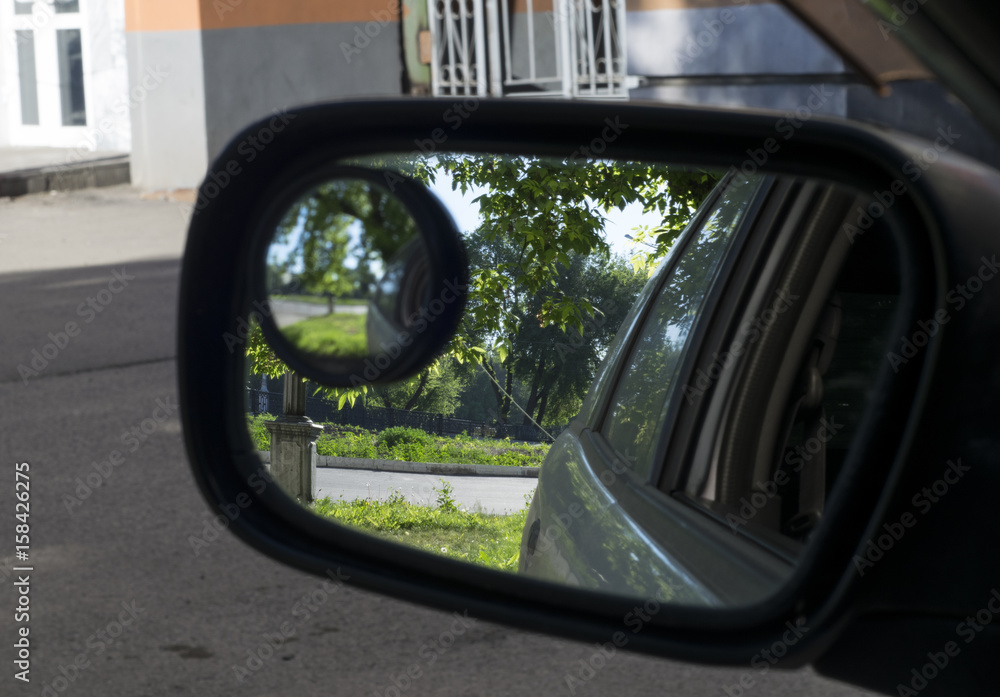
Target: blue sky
x=466 y=214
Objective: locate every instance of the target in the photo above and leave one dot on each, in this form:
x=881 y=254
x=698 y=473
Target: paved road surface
x=121 y=603
x=488 y=494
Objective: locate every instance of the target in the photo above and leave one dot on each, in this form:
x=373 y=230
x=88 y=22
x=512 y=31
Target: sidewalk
x=356 y=463
x=495 y=495
x=32 y=170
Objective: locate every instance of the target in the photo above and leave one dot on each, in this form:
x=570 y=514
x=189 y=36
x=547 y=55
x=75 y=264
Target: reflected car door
x=597 y=521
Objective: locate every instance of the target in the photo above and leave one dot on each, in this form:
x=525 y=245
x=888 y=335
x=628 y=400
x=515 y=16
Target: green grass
x=399 y=435
x=459 y=449
x=339 y=334
x=314 y=299
x=258 y=431
x=413 y=445
x=478 y=538
x=319 y=300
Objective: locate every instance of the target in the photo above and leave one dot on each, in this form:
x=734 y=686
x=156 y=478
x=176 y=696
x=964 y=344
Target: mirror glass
x=575 y=429
x=346 y=268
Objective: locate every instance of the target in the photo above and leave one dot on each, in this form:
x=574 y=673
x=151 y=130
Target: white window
x=46 y=56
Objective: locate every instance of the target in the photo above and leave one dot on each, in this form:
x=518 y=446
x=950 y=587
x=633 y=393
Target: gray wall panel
x=922 y=108
x=168 y=117
x=724 y=40
x=820 y=99
x=251 y=72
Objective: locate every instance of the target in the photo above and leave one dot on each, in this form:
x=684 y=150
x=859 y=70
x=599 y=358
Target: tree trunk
x=533 y=396
x=412 y=401
x=543 y=403
x=509 y=387
x=541 y=406
x=494 y=382
x=384 y=398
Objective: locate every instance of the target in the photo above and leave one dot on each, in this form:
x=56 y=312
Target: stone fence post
x=293 y=443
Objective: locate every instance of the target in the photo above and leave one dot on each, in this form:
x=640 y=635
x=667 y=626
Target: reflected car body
x=399 y=295
x=707 y=527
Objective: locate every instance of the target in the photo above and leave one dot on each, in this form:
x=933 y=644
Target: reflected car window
x=640 y=401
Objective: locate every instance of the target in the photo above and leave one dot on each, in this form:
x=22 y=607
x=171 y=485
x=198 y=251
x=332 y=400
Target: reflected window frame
x=649 y=469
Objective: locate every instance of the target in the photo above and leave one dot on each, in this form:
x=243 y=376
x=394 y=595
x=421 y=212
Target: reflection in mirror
x=549 y=438
x=346 y=268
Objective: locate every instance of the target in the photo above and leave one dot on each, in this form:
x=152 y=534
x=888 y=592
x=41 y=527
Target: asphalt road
x=291 y=311
x=503 y=495
x=122 y=603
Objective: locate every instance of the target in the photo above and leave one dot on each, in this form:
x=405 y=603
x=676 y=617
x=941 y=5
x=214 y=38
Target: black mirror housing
x=219 y=293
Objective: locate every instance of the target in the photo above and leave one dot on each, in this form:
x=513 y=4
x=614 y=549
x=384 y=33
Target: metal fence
x=380 y=418
x=575 y=48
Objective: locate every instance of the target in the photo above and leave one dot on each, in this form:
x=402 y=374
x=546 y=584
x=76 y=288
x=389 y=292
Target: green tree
x=549 y=209
x=435 y=389
x=547 y=369
x=557 y=367
x=327 y=244
x=539 y=217
x=313 y=250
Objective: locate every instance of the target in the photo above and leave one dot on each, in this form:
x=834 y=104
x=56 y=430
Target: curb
x=107 y=171
x=357 y=463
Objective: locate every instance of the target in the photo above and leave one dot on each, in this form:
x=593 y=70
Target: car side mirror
x=349 y=265
x=338 y=230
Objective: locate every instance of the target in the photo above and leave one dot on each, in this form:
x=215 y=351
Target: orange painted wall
x=181 y=15
x=155 y=15
x=521 y=6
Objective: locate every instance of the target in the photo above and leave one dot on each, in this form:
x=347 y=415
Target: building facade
x=65 y=80
x=172 y=81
